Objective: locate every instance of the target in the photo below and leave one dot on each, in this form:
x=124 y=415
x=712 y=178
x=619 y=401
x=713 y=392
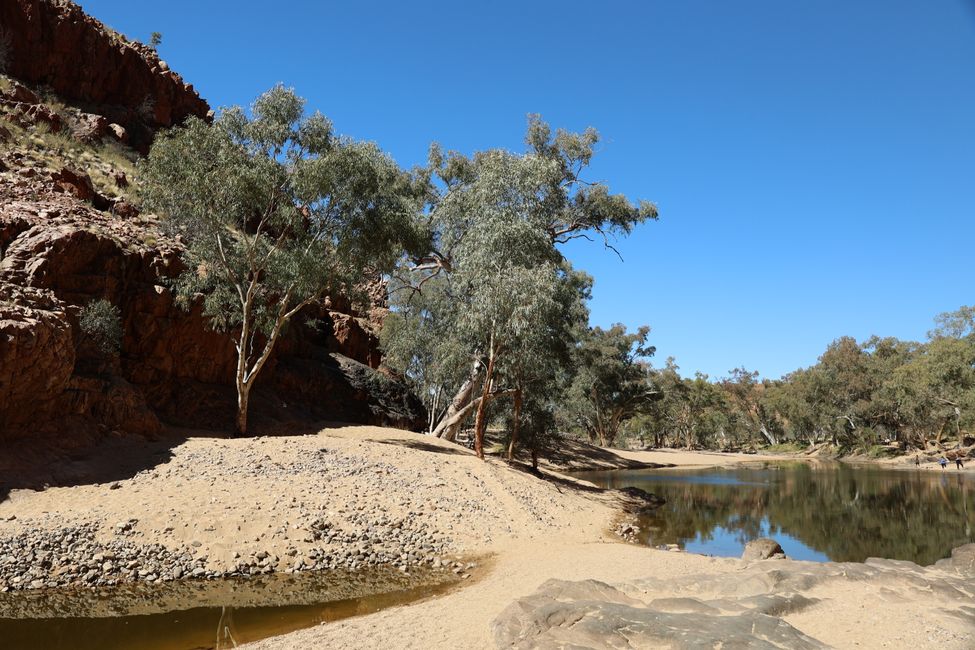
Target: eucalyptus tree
x=492 y=276
x=277 y=211
x=747 y=404
x=611 y=382
x=541 y=364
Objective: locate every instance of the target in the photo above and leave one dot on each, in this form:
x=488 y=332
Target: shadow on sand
x=420 y=445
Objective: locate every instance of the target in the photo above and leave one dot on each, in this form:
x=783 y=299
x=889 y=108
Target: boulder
x=74 y=182
x=763 y=549
x=962 y=559
x=41 y=114
x=89 y=127
x=20 y=93
x=119 y=132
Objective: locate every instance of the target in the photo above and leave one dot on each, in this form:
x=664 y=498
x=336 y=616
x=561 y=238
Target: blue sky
x=813 y=162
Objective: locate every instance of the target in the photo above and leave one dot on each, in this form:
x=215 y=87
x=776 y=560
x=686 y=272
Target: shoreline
x=357 y=496
x=473 y=616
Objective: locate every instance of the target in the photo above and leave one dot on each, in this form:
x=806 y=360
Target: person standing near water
x=958 y=463
x=917 y=460
x=943 y=462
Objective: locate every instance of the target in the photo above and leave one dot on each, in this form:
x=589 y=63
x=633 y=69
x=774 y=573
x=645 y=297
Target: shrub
x=101 y=322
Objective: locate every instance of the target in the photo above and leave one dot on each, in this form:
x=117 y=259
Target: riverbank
x=682 y=599
x=577 y=456
x=354 y=498
x=346 y=498
x=903 y=462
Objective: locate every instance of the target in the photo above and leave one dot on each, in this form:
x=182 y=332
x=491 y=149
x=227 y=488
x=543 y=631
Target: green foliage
x=101 y=323
x=493 y=286
x=611 y=383
x=155 y=40
x=277 y=211
x=859 y=397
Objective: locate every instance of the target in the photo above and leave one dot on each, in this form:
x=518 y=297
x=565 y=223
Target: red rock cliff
x=56 y=45
x=67 y=240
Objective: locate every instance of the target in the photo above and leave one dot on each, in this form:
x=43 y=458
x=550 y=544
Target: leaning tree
x=492 y=274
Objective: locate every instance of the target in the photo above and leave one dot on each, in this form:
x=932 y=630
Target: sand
x=242 y=497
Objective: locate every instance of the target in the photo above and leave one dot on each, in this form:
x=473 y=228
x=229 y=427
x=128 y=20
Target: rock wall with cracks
x=64 y=243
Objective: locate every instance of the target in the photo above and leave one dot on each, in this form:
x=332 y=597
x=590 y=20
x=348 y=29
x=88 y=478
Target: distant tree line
x=858 y=396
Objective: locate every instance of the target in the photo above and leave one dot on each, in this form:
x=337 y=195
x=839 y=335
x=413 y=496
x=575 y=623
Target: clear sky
x=813 y=161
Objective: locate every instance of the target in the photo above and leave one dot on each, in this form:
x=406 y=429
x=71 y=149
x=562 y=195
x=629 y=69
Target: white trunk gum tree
x=492 y=275
x=276 y=211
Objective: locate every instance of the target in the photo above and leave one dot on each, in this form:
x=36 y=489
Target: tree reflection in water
x=845 y=512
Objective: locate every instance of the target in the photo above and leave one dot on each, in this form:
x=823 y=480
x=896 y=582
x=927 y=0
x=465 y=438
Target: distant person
x=958 y=463
x=917 y=460
x=943 y=462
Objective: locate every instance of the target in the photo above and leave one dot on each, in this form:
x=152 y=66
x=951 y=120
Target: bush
x=101 y=322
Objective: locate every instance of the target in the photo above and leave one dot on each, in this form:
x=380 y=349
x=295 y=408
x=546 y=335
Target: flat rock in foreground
x=744 y=609
x=591 y=614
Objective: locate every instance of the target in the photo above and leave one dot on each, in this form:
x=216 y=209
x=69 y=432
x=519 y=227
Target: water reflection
x=830 y=511
x=199 y=615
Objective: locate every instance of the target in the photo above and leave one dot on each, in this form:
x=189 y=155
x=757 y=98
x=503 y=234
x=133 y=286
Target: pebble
x=46 y=553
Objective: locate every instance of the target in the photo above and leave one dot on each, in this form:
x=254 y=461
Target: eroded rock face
x=36 y=353
x=57 y=45
x=58 y=253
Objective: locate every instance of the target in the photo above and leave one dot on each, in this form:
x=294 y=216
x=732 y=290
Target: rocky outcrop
x=55 y=44
x=756 y=606
x=36 y=353
x=66 y=241
x=59 y=253
x=592 y=614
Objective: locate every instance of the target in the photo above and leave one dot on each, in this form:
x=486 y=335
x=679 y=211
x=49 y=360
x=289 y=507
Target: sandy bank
x=849 y=605
x=356 y=497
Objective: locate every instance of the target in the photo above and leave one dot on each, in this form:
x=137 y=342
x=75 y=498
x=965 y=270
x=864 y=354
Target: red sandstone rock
x=63 y=245
x=20 y=93
x=89 y=128
x=36 y=354
x=125 y=209
x=56 y=44
x=73 y=182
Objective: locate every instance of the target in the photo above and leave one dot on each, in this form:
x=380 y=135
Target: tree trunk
x=768 y=435
x=479 y=423
x=243 y=397
x=458 y=419
x=449 y=424
x=515 y=425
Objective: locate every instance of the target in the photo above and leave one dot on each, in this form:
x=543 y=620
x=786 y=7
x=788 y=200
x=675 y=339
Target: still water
x=831 y=511
x=198 y=615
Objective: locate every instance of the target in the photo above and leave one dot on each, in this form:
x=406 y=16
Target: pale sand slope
x=252 y=495
x=219 y=497
x=851 y=613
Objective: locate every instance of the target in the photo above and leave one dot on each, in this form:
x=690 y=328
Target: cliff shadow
x=37 y=464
